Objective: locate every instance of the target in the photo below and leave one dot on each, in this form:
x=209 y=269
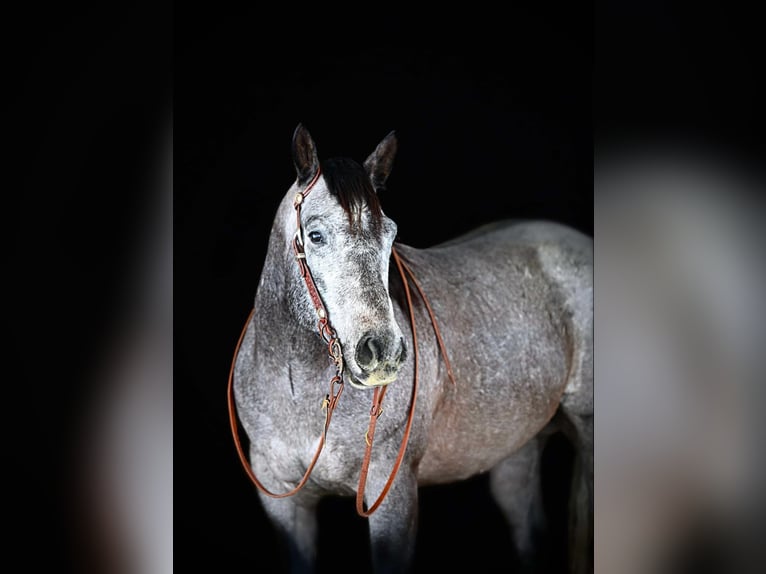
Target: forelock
x=349 y=183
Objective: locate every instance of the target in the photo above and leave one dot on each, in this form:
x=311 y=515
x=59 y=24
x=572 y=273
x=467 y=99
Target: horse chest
x=287 y=435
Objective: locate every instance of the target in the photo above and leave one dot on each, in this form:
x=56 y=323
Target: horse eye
x=316 y=237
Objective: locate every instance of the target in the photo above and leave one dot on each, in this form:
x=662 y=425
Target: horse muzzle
x=379 y=359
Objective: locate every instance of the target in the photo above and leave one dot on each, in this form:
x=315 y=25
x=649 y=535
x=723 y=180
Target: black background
x=493 y=116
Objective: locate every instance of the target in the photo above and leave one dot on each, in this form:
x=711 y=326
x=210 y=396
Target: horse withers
x=482 y=347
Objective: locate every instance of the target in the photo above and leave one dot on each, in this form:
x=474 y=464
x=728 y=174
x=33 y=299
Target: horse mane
x=350 y=184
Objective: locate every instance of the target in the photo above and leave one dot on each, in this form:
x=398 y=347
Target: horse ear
x=304 y=155
x=378 y=165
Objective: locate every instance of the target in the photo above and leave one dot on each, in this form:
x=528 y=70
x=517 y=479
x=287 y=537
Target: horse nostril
x=368 y=352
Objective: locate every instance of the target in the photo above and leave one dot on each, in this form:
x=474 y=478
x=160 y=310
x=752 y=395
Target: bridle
x=330 y=401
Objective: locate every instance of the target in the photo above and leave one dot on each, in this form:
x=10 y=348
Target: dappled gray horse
x=481 y=345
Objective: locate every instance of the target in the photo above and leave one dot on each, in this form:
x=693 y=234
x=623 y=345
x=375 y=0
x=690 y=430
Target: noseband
x=328 y=334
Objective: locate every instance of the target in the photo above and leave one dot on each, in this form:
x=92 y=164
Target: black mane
x=349 y=182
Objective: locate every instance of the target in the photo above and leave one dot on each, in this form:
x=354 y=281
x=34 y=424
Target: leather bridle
x=328 y=334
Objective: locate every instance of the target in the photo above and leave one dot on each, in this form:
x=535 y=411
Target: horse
x=481 y=345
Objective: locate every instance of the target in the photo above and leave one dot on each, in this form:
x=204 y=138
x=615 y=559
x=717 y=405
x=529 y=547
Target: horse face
x=348 y=256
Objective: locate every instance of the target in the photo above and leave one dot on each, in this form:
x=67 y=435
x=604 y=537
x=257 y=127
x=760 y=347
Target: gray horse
x=483 y=346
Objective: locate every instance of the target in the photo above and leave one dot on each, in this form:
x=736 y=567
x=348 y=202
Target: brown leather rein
x=336 y=382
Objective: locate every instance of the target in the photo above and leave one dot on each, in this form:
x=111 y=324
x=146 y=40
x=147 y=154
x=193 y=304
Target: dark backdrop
x=493 y=116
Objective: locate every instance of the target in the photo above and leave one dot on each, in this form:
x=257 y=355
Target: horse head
x=346 y=240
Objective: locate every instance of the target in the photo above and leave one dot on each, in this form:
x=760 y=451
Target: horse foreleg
x=295 y=520
x=516 y=486
x=393 y=525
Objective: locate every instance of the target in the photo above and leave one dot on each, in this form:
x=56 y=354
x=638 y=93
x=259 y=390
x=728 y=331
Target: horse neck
x=283 y=311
